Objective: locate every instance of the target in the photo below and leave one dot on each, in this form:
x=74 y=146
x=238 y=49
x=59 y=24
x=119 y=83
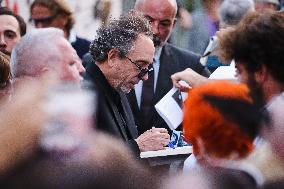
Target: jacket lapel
x=129 y=116
x=164 y=83
x=97 y=80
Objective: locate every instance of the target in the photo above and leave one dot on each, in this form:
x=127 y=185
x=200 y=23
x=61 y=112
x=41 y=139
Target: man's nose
x=2 y=41
x=81 y=68
x=39 y=25
x=155 y=27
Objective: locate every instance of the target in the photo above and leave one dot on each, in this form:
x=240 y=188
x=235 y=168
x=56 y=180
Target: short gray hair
x=36 y=50
x=232 y=11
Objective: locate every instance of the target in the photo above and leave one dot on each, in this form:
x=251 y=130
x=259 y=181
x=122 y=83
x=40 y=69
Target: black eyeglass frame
x=143 y=71
x=44 y=21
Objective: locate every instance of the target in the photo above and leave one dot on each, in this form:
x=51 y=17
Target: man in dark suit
x=167 y=60
x=121 y=53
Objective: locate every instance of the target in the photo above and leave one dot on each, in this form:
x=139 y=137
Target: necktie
x=146 y=100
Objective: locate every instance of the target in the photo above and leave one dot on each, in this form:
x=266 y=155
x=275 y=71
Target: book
x=167 y=152
x=170 y=107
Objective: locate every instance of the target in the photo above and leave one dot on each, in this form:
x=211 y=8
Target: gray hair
x=232 y=11
x=119 y=34
x=35 y=51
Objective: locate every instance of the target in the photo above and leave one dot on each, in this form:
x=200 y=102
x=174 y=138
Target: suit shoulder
x=83 y=41
x=183 y=53
x=185 y=59
x=87 y=59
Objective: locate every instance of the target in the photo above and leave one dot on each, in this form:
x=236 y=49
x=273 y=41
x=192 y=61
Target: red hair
x=220 y=136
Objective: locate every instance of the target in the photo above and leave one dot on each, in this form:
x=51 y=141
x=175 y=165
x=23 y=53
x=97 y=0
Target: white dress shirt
x=156 y=66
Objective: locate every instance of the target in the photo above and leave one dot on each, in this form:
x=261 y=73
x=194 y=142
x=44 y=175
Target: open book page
x=167 y=152
x=170 y=107
x=225 y=72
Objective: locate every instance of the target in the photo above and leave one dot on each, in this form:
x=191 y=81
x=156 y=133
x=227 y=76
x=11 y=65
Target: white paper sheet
x=170 y=107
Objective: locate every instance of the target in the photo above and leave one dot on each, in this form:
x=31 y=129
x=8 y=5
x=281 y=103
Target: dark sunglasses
x=143 y=71
x=44 y=21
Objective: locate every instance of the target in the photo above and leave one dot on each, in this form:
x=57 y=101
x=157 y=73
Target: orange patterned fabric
x=220 y=137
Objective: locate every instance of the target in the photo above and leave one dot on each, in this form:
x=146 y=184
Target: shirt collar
x=72 y=36
x=157 y=54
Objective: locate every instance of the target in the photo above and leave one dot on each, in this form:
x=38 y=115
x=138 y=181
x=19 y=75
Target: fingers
x=162 y=130
x=153 y=139
x=160 y=138
x=186 y=76
x=184 y=89
x=160 y=133
x=175 y=80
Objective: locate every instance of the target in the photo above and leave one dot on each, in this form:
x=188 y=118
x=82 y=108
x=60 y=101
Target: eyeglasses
x=143 y=71
x=44 y=21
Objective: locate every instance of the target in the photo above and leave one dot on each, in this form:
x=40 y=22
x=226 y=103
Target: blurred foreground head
x=220 y=120
x=211 y=178
x=46 y=51
x=107 y=164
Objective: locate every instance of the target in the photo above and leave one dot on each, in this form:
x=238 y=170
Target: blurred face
x=127 y=73
x=9 y=33
x=242 y=73
x=42 y=17
x=264 y=6
x=256 y=89
x=71 y=65
x=161 y=15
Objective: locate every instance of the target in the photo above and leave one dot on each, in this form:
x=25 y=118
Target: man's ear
x=111 y=57
x=261 y=75
x=175 y=21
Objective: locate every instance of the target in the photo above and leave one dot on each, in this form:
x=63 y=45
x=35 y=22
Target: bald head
x=162 y=16
x=171 y=3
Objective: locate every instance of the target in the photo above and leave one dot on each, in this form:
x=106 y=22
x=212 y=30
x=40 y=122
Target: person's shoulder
x=184 y=59
x=87 y=59
x=83 y=41
x=181 y=52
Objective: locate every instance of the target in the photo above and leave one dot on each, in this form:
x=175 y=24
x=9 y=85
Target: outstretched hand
x=191 y=77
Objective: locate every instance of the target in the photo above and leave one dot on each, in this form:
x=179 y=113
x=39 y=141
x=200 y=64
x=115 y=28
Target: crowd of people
x=234 y=126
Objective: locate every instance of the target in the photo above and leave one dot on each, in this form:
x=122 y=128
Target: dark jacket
x=81 y=46
x=113 y=114
x=172 y=60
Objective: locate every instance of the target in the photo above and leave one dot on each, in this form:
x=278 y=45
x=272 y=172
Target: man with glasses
x=122 y=53
x=58 y=14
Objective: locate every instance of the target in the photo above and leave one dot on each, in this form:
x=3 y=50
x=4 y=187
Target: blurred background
x=189 y=33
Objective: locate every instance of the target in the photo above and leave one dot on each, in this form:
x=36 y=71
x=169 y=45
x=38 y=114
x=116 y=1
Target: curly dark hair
x=21 y=21
x=119 y=34
x=257 y=40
